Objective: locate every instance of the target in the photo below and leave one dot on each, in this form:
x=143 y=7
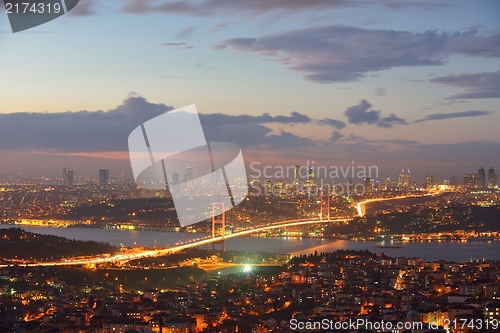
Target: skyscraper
x=401 y=179
x=175 y=179
x=492 y=178
x=68 y=177
x=388 y=184
x=429 y=181
x=474 y=180
x=296 y=175
x=453 y=181
x=189 y=174
x=269 y=187
x=407 y=179
x=103 y=176
x=310 y=176
x=468 y=180
x=368 y=185
x=481 y=181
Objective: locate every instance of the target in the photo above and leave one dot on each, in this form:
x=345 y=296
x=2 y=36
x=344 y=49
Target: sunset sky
x=397 y=84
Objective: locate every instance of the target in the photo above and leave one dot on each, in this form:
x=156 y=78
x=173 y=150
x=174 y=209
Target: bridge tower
x=324 y=208
x=219 y=219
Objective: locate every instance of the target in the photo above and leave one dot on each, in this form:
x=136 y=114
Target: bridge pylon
x=219 y=219
x=324 y=208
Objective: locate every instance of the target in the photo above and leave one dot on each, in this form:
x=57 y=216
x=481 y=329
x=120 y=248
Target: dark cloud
x=479 y=85
x=443 y=116
x=255 y=7
x=135 y=6
x=108 y=131
x=333 y=122
x=173 y=44
x=186 y=32
x=84 y=8
x=287 y=140
x=223 y=25
x=336 y=135
x=219 y=118
x=359 y=114
x=250 y=131
x=400 y=141
x=77 y=131
x=214 y=7
x=178 y=45
x=440 y=104
x=388 y=122
x=342 y=54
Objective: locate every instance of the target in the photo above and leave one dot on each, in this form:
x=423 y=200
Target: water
x=113 y=237
x=453 y=251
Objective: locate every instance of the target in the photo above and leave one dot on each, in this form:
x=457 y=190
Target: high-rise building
x=368 y=185
x=176 y=180
x=68 y=176
x=296 y=175
x=388 y=184
x=429 y=181
x=481 y=180
x=468 y=180
x=407 y=179
x=471 y=180
x=453 y=181
x=474 y=180
x=103 y=176
x=492 y=178
x=310 y=176
x=401 y=179
x=269 y=187
x=279 y=187
x=189 y=174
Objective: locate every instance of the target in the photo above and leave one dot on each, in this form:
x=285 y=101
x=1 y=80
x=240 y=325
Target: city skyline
x=296 y=177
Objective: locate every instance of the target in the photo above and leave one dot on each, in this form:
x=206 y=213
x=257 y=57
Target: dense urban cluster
x=121 y=203
x=338 y=286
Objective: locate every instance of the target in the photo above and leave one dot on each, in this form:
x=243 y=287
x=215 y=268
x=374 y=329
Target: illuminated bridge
x=187 y=245
x=120 y=258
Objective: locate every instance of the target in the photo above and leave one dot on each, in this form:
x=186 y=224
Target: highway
x=196 y=243
x=161 y=252
x=360 y=206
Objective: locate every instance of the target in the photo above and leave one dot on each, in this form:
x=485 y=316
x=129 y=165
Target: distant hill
x=17 y=243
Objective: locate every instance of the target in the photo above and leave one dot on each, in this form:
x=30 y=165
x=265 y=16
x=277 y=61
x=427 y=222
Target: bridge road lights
x=221 y=220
